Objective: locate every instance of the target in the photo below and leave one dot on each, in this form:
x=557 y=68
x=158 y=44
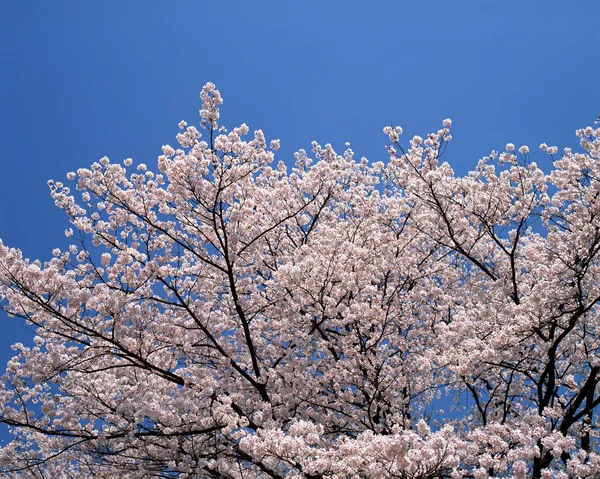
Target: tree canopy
x=234 y=317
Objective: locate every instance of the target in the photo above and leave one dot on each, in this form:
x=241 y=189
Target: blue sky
x=82 y=80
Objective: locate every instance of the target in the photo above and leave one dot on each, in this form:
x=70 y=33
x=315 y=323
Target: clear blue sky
x=84 y=79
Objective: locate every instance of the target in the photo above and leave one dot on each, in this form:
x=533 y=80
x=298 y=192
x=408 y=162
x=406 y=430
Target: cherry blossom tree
x=228 y=317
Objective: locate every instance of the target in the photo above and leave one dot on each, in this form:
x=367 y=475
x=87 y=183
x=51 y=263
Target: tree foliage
x=229 y=317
